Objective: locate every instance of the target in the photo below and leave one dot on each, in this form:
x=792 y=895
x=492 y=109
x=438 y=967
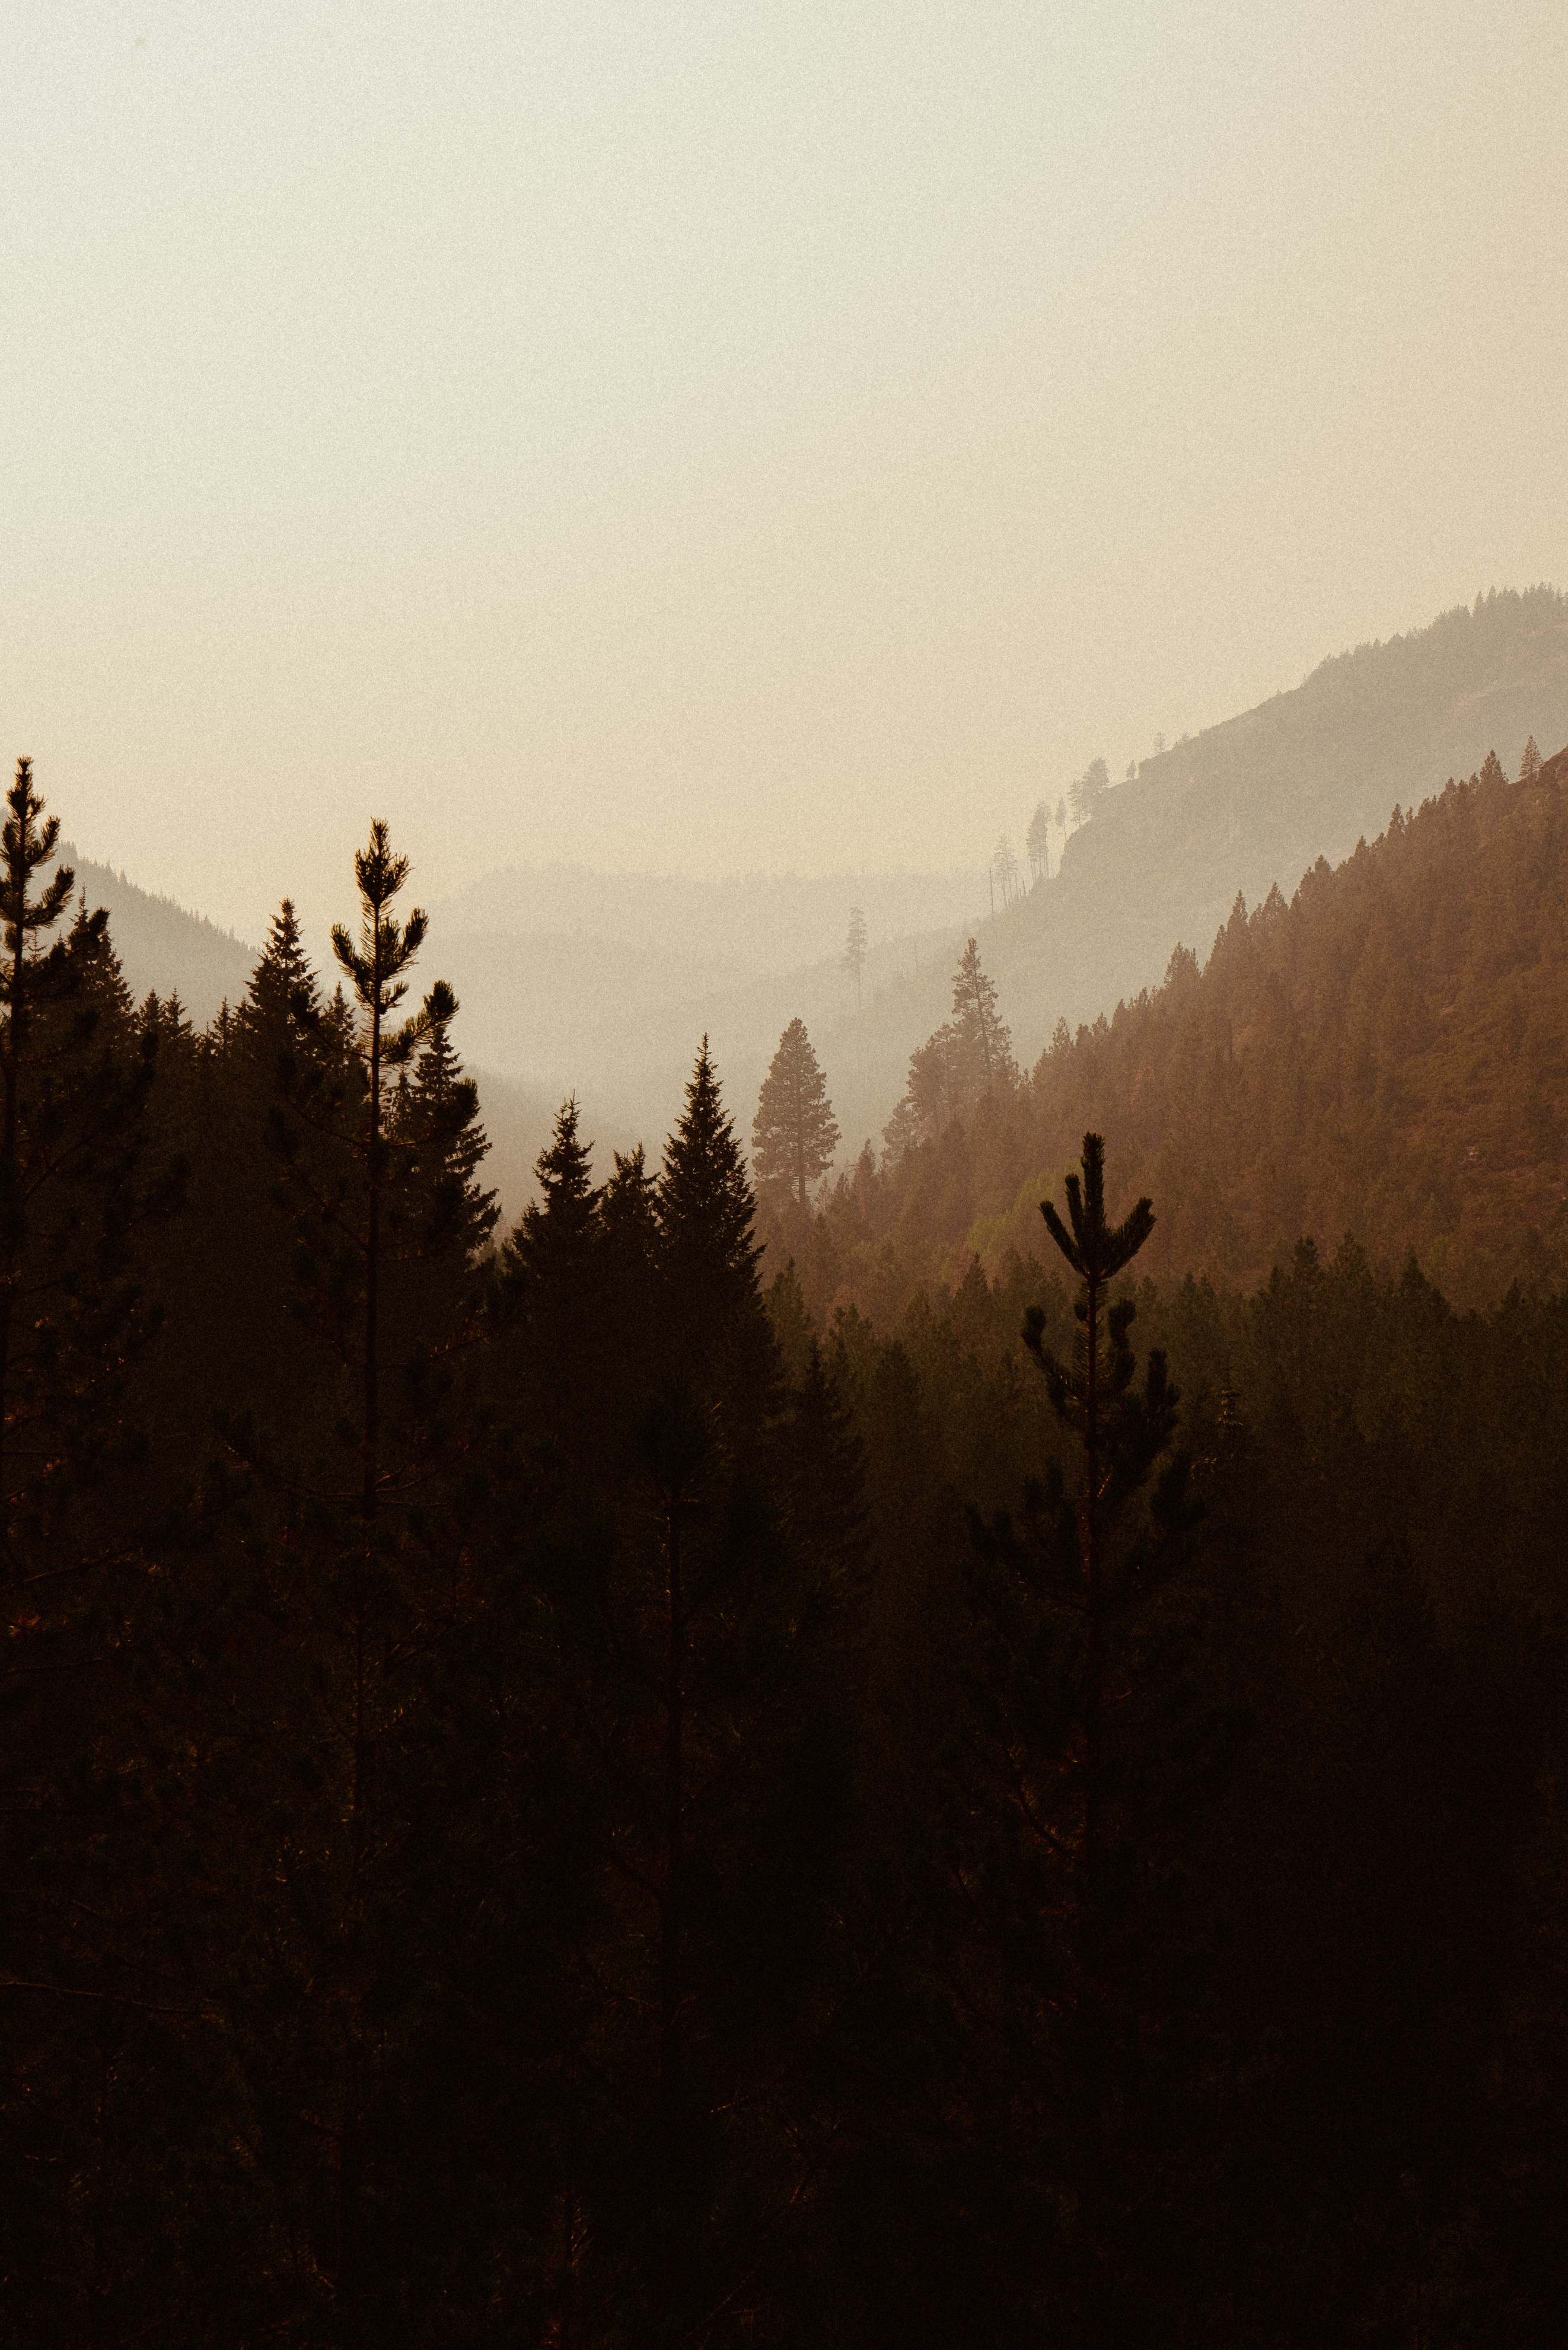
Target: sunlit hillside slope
x=1386 y=1056
x=1249 y=805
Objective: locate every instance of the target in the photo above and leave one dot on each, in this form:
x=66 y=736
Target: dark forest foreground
x=550 y=1799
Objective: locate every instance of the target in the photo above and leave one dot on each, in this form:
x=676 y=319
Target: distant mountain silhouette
x=726 y=928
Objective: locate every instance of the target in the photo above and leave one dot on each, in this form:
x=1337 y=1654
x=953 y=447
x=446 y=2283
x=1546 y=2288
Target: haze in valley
x=696 y=473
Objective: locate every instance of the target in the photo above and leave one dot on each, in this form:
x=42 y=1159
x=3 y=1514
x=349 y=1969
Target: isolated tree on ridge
x=1038 y=841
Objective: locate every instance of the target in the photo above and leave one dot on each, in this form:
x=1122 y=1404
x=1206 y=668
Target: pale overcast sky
x=731 y=436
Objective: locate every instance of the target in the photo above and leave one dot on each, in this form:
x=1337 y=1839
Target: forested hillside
x=550 y=1792
x=1247 y=806
x=1387 y=1056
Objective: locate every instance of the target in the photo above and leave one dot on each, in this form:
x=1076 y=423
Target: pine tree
x=374 y=966
x=378 y=1175
x=1039 y=844
x=80 y=1502
x=793 y=1135
x=854 y=960
x=1121 y=1434
x=1090 y=789
x=984 y=1043
x=75 y=1079
x=1529 y=763
x=936 y=1091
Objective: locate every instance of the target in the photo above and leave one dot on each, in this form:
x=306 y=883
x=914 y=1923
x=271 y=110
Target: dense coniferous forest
x=617 y=1782
x=1386 y=1056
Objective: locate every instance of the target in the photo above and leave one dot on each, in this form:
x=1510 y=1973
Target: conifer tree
x=73 y=1084
x=79 y=1500
x=379 y=1175
x=556 y=1229
x=1121 y=1432
x=984 y=1042
x=1090 y=789
x=374 y=965
x=282 y=986
x=705 y=1217
x=561 y=1291
x=854 y=959
x=437 y=1120
x=793 y=1135
x=937 y=1089
x=1039 y=844
x=1530 y=762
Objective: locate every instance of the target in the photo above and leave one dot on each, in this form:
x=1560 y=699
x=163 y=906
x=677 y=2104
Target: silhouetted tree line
x=552 y=1795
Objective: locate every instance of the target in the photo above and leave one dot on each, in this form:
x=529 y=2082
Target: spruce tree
x=449 y=1216
x=709 y=1255
x=793 y=1135
x=556 y=1232
x=281 y=987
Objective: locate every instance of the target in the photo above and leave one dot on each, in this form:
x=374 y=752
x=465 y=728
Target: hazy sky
x=714 y=436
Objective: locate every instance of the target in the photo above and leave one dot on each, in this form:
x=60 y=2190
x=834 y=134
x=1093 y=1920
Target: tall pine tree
x=794 y=1133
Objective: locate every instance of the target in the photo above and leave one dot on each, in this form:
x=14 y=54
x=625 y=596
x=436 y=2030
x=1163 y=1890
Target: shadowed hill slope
x=1386 y=1056
x=163 y=949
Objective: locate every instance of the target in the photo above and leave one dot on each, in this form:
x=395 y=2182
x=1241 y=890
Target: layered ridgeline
x=606 y=982
x=1386 y=1054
